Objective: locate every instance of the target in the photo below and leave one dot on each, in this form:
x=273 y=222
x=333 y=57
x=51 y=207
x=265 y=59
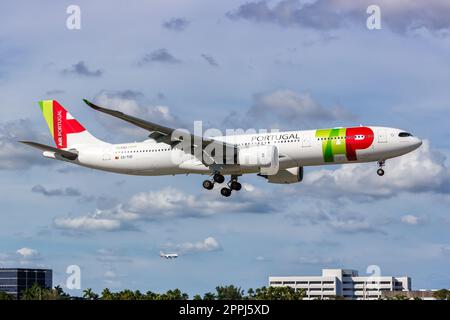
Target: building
x=344 y=283
x=15 y=280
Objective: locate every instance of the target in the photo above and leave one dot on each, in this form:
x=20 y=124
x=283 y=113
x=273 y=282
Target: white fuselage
x=296 y=149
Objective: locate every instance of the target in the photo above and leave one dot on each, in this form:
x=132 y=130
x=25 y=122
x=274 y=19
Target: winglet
x=90 y=104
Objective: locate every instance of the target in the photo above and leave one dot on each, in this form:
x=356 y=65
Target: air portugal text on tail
x=278 y=158
x=65 y=129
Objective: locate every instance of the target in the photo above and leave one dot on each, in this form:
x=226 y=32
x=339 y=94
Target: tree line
x=229 y=292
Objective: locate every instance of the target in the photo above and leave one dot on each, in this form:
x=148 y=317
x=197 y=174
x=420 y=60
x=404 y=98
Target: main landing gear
x=208 y=184
x=380 y=171
x=218 y=178
x=233 y=184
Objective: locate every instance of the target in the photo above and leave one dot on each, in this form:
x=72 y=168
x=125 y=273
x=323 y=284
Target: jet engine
x=290 y=175
x=264 y=157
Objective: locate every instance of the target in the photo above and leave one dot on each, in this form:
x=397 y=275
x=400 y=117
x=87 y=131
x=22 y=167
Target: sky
x=281 y=64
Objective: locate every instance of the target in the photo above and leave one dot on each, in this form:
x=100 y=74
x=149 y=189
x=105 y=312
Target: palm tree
x=90 y=294
x=279 y=293
x=107 y=295
x=229 y=293
x=209 y=296
x=32 y=293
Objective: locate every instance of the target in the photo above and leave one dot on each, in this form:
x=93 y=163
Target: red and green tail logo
x=60 y=122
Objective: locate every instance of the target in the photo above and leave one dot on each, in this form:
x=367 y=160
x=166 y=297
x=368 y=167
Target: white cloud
x=336 y=217
x=286 y=108
x=325 y=261
x=167 y=203
x=400 y=15
x=110 y=274
x=25 y=256
x=112 y=256
x=170 y=202
x=87 y=223
x=445 y=249
x=423 y=170
x=14 y=155
x=27 y=253
x=261 y=258
x=208 y=244
x=412 y=220
x=133 y=103
x=352 y=226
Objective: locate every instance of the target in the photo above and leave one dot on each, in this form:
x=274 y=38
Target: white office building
x=345 y=283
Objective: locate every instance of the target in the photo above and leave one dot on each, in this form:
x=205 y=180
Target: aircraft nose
x=416 y=143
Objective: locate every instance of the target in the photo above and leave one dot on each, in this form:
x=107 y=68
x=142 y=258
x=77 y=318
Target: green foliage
x=5 y=296
x=278 y=293
x=174 y=295
x=37 y=292
x=401 y=297
x=229 y=293
x=442 y=294
x=88 y=294
x=127 y=294
x=250 y=294
x=209 y=296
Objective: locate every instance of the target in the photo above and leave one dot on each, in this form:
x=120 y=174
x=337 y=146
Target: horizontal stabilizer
x=65 y=154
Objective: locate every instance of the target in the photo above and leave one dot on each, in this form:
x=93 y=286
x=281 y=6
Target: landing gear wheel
x=226 y=192
x=208 y=185
x=234 y=185
x=219 y=178
x=380 y=172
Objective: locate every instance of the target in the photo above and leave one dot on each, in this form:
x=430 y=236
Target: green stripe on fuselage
x=333 y=143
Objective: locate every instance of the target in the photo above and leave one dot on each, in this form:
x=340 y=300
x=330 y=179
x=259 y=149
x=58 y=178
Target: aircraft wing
x=65 y=154
x=161 y=133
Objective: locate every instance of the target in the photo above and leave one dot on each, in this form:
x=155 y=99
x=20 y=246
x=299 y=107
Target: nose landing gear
x=380 y=171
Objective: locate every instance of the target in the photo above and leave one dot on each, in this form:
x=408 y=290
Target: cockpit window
x=405 y=134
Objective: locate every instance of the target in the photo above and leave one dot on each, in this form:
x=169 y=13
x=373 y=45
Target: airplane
x=168 y=255
x=277 y=157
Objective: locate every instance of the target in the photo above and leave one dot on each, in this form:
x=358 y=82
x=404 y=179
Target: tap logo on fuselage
x=344 y=141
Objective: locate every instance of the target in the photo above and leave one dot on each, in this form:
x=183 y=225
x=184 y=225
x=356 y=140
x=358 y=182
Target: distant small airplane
x=168 y=255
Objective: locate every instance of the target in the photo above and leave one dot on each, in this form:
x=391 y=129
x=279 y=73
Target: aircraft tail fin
x=65 y=129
